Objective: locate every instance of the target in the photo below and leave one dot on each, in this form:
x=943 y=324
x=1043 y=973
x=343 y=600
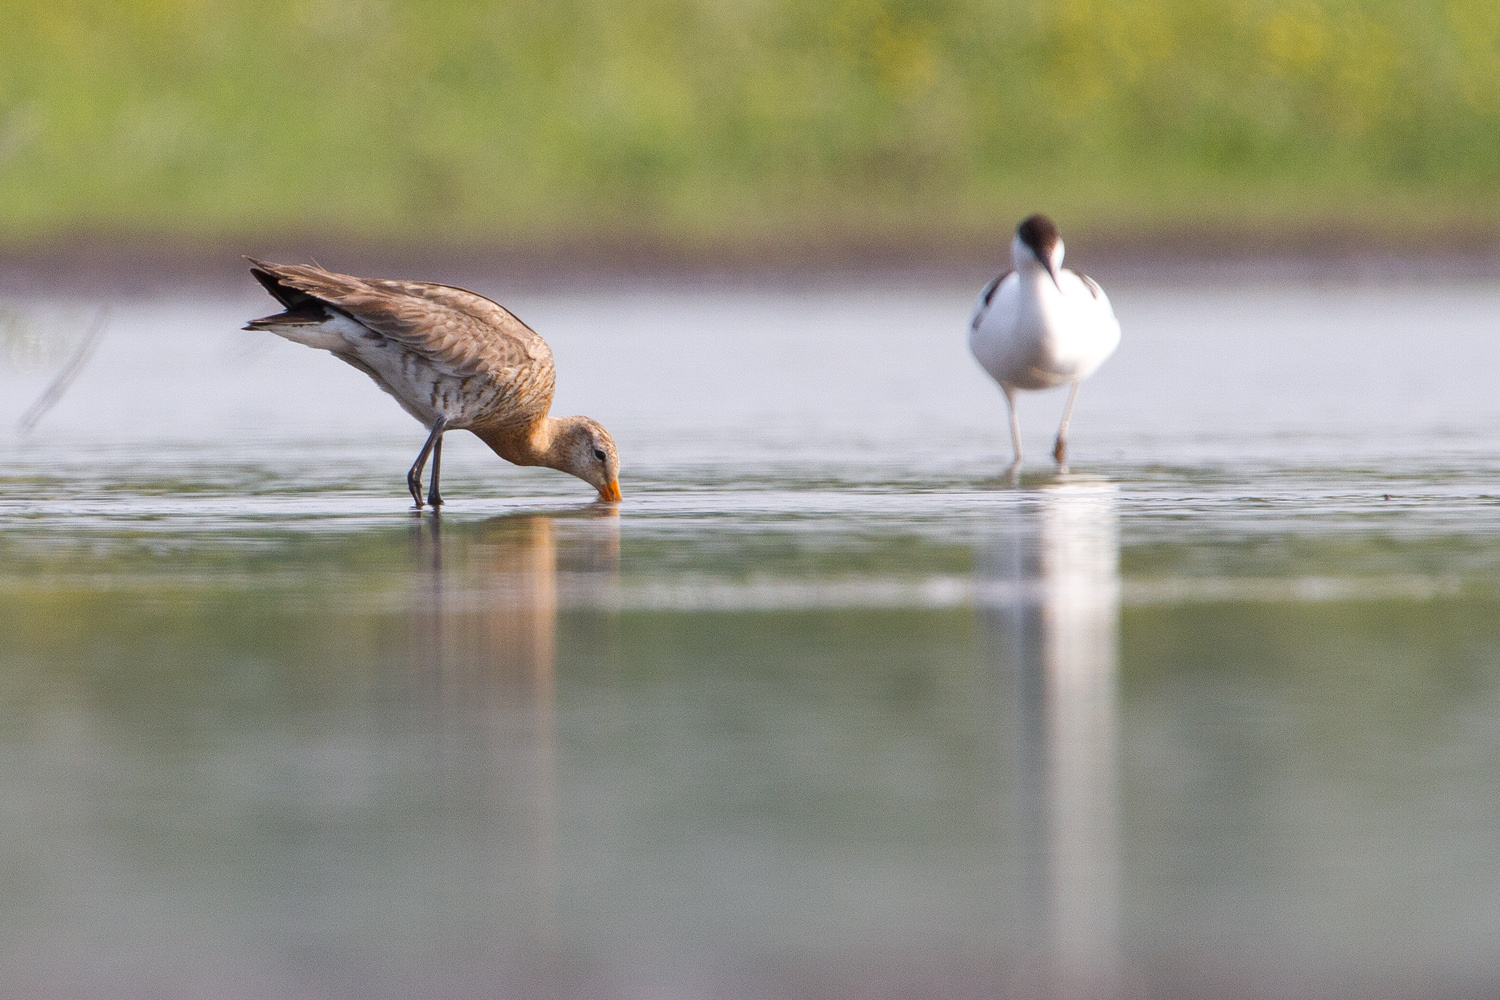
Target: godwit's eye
x=599 y=454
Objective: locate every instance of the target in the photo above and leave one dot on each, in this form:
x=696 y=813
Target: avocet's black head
x=1041 y=236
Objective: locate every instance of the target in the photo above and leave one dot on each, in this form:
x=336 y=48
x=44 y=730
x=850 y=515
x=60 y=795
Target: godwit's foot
x=414 y=483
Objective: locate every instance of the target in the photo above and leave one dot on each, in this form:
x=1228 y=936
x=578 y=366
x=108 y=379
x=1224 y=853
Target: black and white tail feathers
x=301 y=309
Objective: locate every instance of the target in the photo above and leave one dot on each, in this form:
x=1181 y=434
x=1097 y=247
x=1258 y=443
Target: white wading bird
x=453 y=359
x=1040 y=327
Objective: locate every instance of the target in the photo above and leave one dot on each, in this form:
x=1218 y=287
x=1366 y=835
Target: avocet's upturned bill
x=1040 y=326
x=453 y=359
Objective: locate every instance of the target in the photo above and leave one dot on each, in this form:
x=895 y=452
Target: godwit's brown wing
x=441 y=351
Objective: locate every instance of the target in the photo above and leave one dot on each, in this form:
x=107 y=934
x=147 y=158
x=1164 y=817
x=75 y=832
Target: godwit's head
x=1038 y=243
x=585 y=449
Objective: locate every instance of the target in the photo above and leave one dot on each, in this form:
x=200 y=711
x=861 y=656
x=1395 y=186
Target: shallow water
x=830 y=706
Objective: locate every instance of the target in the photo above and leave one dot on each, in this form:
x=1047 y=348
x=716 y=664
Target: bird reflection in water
x=485 y=622
x=1051 y=607
x=490 y=592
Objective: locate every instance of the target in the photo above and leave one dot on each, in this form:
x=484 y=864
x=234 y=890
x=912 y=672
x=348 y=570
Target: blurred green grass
x=453 y=122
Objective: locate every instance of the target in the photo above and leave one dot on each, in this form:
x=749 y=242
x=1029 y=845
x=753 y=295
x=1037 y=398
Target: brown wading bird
x=451 y=358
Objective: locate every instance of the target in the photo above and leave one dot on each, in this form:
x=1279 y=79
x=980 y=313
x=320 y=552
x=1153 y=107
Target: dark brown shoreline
x=119 y=264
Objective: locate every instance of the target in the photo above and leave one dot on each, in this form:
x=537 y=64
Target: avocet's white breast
x=1039 y=328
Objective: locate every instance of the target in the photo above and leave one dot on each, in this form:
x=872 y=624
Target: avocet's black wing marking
x=986 y=297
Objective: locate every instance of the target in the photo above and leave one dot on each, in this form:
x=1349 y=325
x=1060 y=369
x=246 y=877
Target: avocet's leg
x=1015 y=423
x=414 y=477
x=1061 y=451
x=434 y=498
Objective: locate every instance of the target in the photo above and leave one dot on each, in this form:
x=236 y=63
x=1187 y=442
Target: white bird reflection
x=1052 y=599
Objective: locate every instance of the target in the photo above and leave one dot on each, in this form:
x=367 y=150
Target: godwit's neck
x=531 y=444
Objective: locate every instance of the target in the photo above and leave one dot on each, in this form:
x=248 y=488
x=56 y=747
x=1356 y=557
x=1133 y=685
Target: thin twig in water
x=65 y=378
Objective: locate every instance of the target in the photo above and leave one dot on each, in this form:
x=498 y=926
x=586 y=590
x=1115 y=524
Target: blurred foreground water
x=828 y=707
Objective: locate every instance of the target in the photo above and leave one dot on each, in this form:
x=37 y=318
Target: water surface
x=829 y=706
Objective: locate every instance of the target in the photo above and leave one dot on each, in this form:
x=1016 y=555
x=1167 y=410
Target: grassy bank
x=442 y=122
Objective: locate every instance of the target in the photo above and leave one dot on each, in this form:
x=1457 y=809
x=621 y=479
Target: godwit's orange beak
x=610 y=491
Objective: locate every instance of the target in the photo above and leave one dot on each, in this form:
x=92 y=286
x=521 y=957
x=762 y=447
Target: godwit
x=1040 y=326
x=451 y=358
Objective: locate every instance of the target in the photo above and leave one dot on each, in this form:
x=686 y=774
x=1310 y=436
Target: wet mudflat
x=829 y=706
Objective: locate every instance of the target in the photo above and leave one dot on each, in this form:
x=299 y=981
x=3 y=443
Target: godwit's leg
x=414 y=477
x=1061 y=451
x=1015 y=424
x=434 y=498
